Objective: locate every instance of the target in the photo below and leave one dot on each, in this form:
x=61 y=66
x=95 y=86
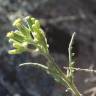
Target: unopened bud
x=10 y=34
x=14 y=51
x=37 y=24
x=16 y=45
x=17 y=22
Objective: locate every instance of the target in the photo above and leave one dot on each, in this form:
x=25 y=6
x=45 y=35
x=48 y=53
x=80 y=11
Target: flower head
x=28 y=33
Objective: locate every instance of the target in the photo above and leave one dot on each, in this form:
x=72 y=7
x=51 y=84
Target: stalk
x=64 y=80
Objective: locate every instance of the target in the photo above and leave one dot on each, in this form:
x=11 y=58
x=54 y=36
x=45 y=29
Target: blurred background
x=59 y=19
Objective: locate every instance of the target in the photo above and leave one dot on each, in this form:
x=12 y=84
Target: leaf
x=37 y=65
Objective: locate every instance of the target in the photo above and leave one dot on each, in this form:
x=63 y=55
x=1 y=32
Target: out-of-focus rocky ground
x=59 y=19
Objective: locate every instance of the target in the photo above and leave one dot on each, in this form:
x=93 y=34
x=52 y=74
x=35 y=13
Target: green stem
x=74 y=89
x=62 y=76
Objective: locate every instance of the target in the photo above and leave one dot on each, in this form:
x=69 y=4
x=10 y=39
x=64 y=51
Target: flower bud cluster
x=28 y=37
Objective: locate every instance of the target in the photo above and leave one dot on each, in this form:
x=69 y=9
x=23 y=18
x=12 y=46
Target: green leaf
x=37 y=65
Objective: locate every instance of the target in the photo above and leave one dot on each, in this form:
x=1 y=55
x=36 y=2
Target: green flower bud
x=19 y=48
x=12 y=51
x=10 y=35
x=24 y=30
x=33 y=20
x=40 y=39
x=15 y=51
x=30 y=22
x=20 y=45
x=35 y=28
x=37 y=24
x=17 y=45
x=15 y=36
x=17 y=22
x=36 y=33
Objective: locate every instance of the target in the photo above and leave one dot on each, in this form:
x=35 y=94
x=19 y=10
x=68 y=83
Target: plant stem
x=74 y=89
x=62 y=76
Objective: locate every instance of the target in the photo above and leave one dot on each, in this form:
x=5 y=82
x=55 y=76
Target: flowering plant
x=30 y=37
